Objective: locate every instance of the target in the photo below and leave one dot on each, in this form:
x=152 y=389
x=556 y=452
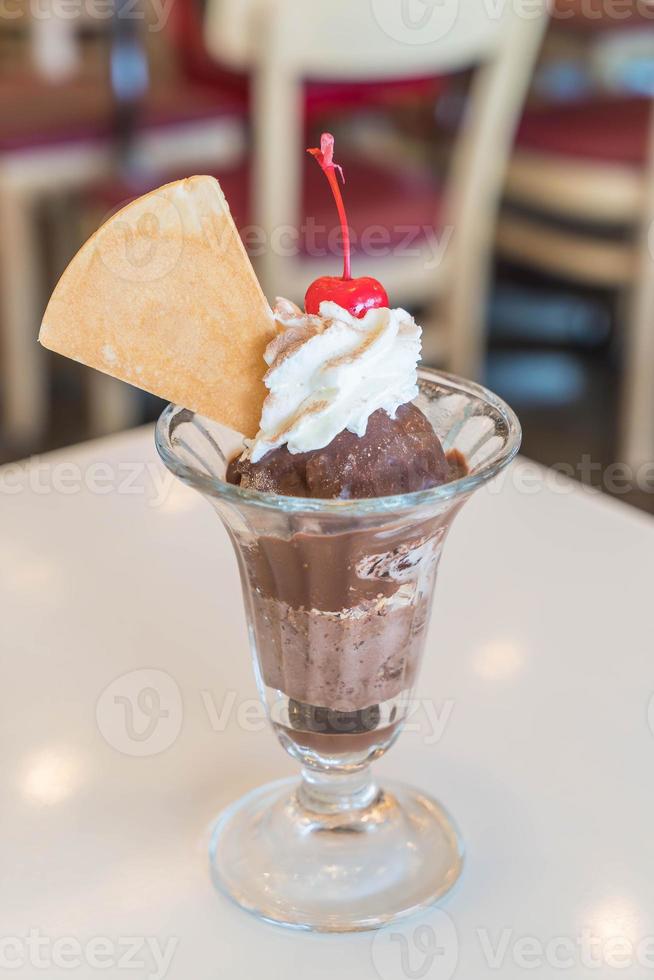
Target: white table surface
x=539 y=664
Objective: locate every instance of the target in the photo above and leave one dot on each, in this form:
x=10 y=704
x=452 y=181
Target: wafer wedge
x=164 y=297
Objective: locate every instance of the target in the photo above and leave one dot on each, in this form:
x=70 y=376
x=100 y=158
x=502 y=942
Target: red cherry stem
x=325 y=157
x=342 y=217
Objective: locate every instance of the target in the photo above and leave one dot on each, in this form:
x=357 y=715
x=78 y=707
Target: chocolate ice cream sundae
x=340 y=617
x=337 y=508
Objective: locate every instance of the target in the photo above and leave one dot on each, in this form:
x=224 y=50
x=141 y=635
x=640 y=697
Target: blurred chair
x=234 y=29
x=580 y=206
x=291 y=45
x=193 y=57
x=58 y=139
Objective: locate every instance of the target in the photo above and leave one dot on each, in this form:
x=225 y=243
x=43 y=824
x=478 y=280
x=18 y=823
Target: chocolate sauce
x=400 y=455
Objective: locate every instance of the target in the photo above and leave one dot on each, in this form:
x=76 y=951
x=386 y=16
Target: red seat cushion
x=383 y=205
x=332 y=96
x=33 y=115
x=609 y=131
x=321 y=97
x=389 y=204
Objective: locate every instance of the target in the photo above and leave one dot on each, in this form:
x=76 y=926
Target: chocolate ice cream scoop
x=399 y=455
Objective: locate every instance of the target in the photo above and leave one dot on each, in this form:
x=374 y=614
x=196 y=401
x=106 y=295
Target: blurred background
x=500 y=182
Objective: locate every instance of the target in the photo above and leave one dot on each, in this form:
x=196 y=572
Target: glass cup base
x=345 y=871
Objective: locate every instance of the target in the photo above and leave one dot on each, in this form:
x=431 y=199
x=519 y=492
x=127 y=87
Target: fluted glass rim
x=446 y=492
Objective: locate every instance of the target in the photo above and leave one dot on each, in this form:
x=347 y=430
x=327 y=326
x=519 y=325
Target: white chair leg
x=466 y=329
x=113 y=405
x=24 y=364
x=637 y=423
x=435 y=337
x=277 y=170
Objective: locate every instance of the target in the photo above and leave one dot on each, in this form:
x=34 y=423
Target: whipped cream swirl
x=330 y=372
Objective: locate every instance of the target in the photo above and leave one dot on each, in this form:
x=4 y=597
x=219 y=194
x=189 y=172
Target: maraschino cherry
x=355 y=295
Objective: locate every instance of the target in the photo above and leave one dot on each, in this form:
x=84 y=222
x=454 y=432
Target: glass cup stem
x=326 y=792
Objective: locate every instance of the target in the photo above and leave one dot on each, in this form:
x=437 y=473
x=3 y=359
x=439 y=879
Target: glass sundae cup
x=338 y=596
